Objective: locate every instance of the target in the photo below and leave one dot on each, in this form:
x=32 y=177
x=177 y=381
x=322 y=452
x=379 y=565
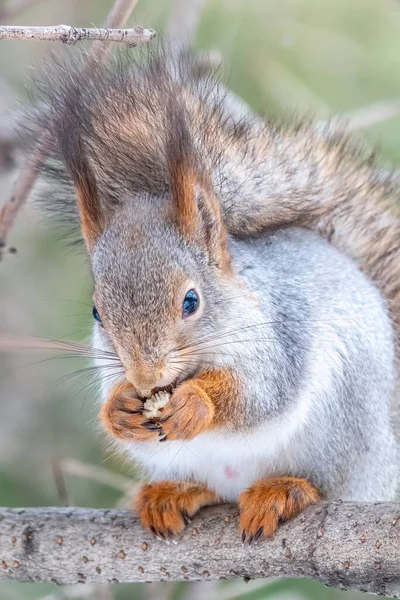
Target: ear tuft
x=77 y=162
x=181 y=170
x=213 y=228
x=196 y=209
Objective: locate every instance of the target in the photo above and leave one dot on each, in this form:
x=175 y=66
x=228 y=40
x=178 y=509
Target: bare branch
x=96 y=473
x=27 y=178
x=120 y=13
x=72 y=35
x=346 y=545
x=22 y=188
x=370 y=115
x=60 y=484
x=183 y=22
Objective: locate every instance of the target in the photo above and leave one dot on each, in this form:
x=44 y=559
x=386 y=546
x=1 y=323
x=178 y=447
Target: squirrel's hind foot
x=165 y=507
x=269 y=502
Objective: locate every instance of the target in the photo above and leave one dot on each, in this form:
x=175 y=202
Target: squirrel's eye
x=96 y=315
x=190 y=304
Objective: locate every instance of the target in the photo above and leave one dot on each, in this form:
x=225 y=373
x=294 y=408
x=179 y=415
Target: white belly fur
x=227 y=464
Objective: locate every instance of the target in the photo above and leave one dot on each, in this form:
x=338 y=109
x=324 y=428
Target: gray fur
x=348 y=447
x=321 y=335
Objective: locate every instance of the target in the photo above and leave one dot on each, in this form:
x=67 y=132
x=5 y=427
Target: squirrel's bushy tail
x=318 y=179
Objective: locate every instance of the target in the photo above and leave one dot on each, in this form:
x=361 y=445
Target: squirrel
x=204 y=227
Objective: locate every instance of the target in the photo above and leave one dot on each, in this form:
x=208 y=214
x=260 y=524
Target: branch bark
x=72 y=35
x=25 y=183
x=346 y=545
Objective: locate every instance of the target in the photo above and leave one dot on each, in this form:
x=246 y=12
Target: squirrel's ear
x=181 y=171
x=184 y=206
x=197 y=213
x=87 y=196
x=212 y=227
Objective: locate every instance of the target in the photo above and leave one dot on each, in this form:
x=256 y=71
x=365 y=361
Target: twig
x=369 y=115
x=98 y=474
x=183 y=22
x=181 y=33
x=116 y=18
x=347 y=545
x=22 y=188
x=60 y=483
x=72 y=35
x=120 y=13
x=9 y=10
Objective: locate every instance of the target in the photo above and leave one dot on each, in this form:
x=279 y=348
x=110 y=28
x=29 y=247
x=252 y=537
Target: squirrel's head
x=162 y=273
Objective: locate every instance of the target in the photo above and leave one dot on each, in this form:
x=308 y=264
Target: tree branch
x=346 y=545
x=24 y=185
x=72 y=35
x=183 y=22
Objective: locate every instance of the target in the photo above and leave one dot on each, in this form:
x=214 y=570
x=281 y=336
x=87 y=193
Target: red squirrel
x=204 y=227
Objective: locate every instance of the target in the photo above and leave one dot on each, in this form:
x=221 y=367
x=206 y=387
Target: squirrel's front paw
x=188 y=413
x=270 y=501
x=122 y=416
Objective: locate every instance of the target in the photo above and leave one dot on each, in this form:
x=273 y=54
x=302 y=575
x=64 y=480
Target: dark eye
x=190 y=304
x=96 y=315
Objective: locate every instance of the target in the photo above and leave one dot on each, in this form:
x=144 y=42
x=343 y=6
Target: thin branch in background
x=71 y=35
x=61 y=486
x=184 y=22
x=24 y=185
x=366 y=116
x=11 y=9
x=182 y=27
x=78 y=468
x=372 y=114
x=10 y=142
x=21 y=190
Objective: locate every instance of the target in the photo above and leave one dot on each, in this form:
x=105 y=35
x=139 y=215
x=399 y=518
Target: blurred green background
x=324 y=57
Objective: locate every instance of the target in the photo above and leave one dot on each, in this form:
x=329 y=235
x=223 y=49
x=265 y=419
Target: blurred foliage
x=323 y=57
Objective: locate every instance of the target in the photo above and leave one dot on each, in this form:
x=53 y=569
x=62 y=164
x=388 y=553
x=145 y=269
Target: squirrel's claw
x=150 y=426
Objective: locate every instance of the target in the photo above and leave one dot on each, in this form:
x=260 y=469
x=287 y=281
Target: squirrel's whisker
x=264 y=324
x=84 y=371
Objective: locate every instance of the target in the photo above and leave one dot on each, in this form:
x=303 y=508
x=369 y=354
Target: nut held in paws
x=152 y=407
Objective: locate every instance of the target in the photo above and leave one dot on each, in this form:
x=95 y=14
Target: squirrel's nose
x=144 y=392
x=144 y=383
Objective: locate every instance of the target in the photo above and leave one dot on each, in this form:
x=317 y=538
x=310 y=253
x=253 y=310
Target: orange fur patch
x=188 y=412
x=199 y=404
x=224 y=391
x=270 y=501
x=87 y=195
x=122 y=417
x=184 y=201
x=164 y=507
